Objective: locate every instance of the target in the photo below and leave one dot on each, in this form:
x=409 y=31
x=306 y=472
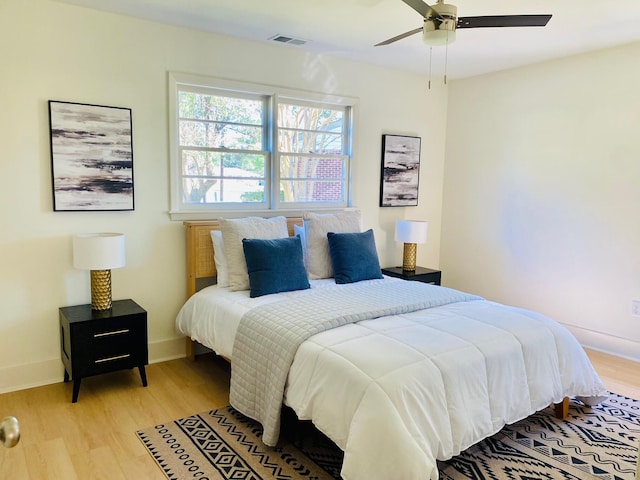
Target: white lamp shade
x=98 y=251
x=411 y=231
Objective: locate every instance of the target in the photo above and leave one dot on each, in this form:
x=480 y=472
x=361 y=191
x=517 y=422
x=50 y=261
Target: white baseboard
x=167 y=350
x=21 y=377
x=620 y=347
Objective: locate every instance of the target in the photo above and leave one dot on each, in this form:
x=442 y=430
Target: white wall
x=542 y=192
x=53 y=51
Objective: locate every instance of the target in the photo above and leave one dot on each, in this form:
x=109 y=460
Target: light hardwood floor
x=95 y=438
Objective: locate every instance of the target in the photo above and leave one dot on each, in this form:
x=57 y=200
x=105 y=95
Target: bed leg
x=562 y=409
x=191 y=351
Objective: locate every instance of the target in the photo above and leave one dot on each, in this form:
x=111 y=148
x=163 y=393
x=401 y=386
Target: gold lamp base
x=409 y=257
x=100 y=289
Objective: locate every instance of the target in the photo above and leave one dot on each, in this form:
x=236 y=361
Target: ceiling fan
x=441 y=22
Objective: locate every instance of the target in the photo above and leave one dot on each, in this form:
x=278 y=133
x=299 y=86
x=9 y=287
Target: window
x=221 y=148
x=311 y=153
x=242 y=147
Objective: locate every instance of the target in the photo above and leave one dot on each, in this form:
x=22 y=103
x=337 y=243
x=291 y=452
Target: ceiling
x=350 y=28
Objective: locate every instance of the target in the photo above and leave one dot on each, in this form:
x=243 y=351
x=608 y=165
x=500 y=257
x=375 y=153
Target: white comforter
x=397 y=393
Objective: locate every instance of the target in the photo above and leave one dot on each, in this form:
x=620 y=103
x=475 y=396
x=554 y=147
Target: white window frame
x=183 y=211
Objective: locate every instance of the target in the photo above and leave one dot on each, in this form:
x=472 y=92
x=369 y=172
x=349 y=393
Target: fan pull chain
x=430 y=56
x=446 y=57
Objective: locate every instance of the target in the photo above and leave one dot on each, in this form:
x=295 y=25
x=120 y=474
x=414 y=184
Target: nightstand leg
x=76 y=389
x=66 y=376
x=143 y=375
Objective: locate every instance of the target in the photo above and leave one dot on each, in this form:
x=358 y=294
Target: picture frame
x=400 y=173
x=91 y=157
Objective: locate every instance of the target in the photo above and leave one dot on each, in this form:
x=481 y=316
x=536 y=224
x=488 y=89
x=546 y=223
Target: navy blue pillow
x=274 y=265
x=354 y=256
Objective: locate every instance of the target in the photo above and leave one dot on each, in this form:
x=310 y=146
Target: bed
x=418 y=375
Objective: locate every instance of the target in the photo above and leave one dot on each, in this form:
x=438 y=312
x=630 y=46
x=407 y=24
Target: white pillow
x=219 y=258
x=299 y=230
x=234 y=230
x=317 y=246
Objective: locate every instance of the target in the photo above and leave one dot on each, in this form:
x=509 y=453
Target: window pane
x=311 y=191
x=243 y=165
x=220 y=135
x=200 y=163
x=223 y=164
x=201 y=190
x=243 y=191
x=310 y=118
x=308 y=167
x=309 y=142
x=219 y=108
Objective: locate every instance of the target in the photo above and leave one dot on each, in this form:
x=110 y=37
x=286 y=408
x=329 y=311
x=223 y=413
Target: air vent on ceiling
x=289 y=40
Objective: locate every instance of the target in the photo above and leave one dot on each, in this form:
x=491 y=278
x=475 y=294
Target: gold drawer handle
x=107 y=334
x=111 y=359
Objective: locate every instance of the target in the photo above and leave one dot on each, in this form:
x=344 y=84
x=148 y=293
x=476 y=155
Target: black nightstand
x=424 y=275
x=96 y=342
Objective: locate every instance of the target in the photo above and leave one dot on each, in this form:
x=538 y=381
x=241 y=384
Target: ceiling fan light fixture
x=440 y=25
x=437 y=37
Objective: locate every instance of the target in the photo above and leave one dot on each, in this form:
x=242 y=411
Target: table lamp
x=411 y=232
x=99 y=252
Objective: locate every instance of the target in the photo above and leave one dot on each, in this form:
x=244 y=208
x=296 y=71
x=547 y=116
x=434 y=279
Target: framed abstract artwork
x=91 y=157
x=400 y=171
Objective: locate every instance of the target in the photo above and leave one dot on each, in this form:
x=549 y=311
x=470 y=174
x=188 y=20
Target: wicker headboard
x=201 y=269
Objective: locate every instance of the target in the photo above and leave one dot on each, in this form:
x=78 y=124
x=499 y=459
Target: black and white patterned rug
x=599 y=443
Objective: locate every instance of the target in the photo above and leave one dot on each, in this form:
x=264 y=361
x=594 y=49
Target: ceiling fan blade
x=399 y=37
x=421 y=7
x=503 y=21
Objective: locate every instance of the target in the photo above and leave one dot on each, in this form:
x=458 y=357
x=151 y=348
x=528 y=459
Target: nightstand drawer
x=111 y=338
x=110 y=328
x=109 y=364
